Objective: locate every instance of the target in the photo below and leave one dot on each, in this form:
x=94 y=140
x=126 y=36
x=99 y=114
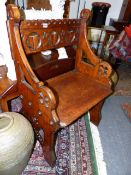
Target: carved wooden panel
x=38 y=4
x=42 y=35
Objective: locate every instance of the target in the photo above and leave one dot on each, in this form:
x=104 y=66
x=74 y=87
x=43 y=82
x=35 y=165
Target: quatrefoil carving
x=33 y=41
x=104 y=69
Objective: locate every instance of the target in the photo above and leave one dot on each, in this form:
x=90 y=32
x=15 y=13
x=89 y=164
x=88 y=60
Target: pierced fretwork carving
x=86 y=59
x=104 y=69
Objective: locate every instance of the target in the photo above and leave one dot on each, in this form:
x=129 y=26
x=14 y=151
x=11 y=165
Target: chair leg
x=49 y=147
x=4 y=105
x=4 y=100
x=95 y=113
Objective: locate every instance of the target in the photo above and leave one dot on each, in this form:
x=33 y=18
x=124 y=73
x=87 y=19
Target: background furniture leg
x=3 y=105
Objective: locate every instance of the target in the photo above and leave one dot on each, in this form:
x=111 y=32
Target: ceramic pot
x=16 y=143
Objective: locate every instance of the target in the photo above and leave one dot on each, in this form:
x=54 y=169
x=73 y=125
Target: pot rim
x=4 y=115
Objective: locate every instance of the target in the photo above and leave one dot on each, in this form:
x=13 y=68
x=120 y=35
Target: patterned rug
x=72 y=150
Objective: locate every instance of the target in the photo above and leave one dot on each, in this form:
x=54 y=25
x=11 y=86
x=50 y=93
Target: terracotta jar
x=16 y=143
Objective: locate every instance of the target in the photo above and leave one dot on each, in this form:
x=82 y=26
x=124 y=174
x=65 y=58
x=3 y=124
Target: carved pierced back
x=40 y=35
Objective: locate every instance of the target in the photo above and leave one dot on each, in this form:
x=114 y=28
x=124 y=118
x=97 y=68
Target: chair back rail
x=49 y=34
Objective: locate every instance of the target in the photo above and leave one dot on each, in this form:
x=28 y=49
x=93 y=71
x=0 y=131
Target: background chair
x=8 y=89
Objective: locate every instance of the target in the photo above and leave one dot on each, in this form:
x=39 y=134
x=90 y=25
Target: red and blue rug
x=72 y=150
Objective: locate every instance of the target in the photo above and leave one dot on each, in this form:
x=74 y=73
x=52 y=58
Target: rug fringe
x=101 y=165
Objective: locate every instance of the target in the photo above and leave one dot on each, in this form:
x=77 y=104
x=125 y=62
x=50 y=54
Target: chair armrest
x=94 y=66
x=50 y=103
x=40 y=101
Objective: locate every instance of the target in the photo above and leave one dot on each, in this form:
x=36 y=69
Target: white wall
x=114 y=10
x=75 y=8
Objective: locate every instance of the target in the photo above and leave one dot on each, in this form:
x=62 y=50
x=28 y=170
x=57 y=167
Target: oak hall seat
x=56 y=92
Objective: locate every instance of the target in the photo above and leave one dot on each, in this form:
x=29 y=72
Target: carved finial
x=13 y=12
x=85 y=13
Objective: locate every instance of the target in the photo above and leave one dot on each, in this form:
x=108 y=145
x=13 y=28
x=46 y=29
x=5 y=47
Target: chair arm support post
x=83 y=42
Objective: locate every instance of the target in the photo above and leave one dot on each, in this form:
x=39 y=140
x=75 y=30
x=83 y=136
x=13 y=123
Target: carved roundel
x=54 y=38
x=71 y=35
x=33 y=41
